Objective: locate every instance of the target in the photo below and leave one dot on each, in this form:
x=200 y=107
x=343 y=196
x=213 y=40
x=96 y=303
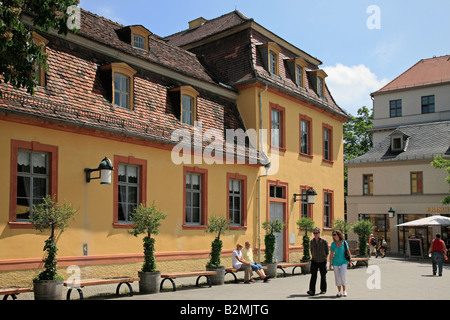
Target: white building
x=411 y=126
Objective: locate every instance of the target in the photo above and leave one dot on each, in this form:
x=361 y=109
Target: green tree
x=363 y=228
x=342 y=226
x=219 y=225
x=357 y=137
x=441 y=163
x=53 y=216
x=19 y=54
x=147 y=220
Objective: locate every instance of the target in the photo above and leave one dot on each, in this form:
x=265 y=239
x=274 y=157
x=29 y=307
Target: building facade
x=163 y=114
x=411 y=126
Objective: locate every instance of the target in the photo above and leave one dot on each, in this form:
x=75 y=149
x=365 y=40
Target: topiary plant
x=53 y=216
x=147 y=220
x=305 y=224
x=271 y=227
x=219 y=225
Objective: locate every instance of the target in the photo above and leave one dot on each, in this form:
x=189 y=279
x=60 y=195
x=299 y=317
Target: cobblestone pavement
x=390 y=278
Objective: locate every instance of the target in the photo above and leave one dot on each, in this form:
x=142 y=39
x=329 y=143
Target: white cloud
x=351 y=86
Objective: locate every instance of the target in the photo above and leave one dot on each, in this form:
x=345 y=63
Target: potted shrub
x=147 y=220
x=219 y=225
x=363 y=228
x=306 y=224
x=342 y=226
x=271 y=227
x=53 y=216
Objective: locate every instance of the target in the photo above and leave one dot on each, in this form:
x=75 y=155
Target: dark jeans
x=322 y=267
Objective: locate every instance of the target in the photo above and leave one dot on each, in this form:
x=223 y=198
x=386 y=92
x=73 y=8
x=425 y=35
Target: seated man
x=247 y=254
x=240 y=264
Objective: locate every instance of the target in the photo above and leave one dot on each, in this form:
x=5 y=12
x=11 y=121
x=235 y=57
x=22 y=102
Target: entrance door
x=276 y=213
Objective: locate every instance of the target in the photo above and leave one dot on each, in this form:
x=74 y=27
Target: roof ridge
x=106 y=19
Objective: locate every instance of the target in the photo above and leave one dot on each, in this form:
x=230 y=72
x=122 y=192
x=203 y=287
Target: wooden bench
x=79 y=284
x=173 y=275
x=13 y=292
x=283 y=265
x=233 y=272
x=360 y=261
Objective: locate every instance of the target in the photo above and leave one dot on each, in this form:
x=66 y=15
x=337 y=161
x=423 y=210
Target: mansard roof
x=425 y=141
x=228 y=47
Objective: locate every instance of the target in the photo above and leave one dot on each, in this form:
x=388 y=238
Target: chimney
x=196 y=23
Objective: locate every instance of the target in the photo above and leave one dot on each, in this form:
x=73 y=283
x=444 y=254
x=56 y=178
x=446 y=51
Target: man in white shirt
x=240 y=264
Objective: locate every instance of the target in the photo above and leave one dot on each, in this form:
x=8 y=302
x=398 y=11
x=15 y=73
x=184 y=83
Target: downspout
x=259 y=175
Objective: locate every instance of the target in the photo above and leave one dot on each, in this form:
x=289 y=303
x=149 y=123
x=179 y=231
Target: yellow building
x=122 y=92
x=282 y=91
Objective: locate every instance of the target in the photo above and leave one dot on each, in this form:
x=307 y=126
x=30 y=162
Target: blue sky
x=358 y=59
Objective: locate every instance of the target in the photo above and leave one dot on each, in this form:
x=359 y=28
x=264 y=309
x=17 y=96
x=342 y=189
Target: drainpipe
x=259 y=175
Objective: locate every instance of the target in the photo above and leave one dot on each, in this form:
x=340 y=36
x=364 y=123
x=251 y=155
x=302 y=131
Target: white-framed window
x=299 y=75
x=235 y=201
x=320 y=87
x=193 y=198
x=272 y=62
x=276 y=127
x=138 y=41
x=121 y=90
x=128 y=193
x=32 y=181
x=187 y=109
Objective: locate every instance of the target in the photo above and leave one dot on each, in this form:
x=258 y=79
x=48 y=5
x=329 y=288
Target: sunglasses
x=316 y=232
x=334 y=234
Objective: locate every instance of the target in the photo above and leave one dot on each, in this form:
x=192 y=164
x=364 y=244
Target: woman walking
x=338 y=261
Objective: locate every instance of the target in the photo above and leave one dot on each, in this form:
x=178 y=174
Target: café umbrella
x=436 y=220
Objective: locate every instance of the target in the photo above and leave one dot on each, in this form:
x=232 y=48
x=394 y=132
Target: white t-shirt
x=236 y=263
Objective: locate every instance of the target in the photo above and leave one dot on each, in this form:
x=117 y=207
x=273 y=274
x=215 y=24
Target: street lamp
x=391 y=212
x=105 y=167
x=308 y=197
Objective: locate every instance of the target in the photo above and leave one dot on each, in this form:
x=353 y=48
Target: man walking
x=319 y=252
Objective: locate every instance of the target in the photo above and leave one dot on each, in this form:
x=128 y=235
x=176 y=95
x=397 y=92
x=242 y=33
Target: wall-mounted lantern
x=105 y=167
x=308 y=197
x=391 y=212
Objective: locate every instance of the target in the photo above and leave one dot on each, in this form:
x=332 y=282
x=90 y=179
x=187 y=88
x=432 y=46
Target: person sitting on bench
x=247 y=254
x=240 y=264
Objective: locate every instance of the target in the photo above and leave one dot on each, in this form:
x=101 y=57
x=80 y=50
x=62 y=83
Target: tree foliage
x=305 y=224
x=147 y=220
x=53 y=216
x=219 y=225
x=442 y=163
x=363 y=228
x=19 y=54
x=271 y=227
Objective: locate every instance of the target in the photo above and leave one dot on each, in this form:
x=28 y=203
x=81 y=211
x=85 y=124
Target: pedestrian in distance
x=319 y=254
x=338 y=261
x=373 y=246
x=247 y=255
x=382 y=246
x=438 y=253
x=240 y=264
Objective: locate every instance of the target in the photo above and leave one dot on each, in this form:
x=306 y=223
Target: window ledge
x=20 y=225
x=194 y=227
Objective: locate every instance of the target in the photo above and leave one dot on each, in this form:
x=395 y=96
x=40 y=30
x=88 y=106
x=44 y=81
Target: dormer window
x=270 y=53
x=40 y=69
x=318 y=80
x=297 y=69
x=185 y=100
x=137 y=36
x=122 y=84
x=399 y=141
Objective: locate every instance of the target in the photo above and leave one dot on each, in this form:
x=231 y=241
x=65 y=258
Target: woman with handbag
x=340 y=257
